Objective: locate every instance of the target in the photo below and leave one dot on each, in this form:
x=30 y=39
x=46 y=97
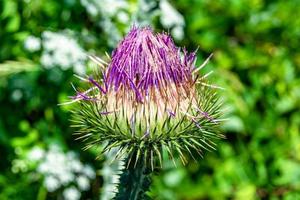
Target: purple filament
x=144 y=59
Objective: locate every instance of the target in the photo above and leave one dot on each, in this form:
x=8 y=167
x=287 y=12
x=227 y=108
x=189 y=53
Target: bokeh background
x=43 y=43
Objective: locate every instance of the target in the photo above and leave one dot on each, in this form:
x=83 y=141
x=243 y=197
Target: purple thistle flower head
x=144 y=60
x=147 y=72
x=149 y=98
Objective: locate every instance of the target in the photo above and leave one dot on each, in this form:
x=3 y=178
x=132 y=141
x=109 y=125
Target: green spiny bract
x=148 y=99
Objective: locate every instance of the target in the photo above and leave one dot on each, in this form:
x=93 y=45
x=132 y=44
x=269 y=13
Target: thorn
x=68 y=102
x=93 y=58
x=206 y=75
x=203 y=64
x=107 y=55
x=222 y=120
x=81 y=78
x=211 y=86
x=73 y=87
x=100 y=60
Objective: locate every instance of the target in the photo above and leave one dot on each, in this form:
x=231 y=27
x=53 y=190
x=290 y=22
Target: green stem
x=134 y=182
x=42 y=194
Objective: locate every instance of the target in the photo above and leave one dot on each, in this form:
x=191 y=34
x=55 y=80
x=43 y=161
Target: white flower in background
x=36 y=153
x=111 y=29
x=46 y=60
x=65 y=177
x=83 y=183
x=145 y=12
x=108 y=14
x=110 y=175
x=91 y=9
x=105 y=13
x=76 y=165
x=123 y=17
x=32 y=43
x=146 y=5
x=71 y=155
x=104 y=7
x=89 y=172
x=178 y=32
x=112 y=7
x=59 y=170
x=43 y=168
x=62 y=50
x=71 y=194
x=79 y=68
x=51 y=183
x=65 y=167
x=171 y=18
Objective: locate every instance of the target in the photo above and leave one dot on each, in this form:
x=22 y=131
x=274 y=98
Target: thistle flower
x=148 y=99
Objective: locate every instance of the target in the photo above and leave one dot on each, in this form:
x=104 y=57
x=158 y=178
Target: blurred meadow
x=256 y=58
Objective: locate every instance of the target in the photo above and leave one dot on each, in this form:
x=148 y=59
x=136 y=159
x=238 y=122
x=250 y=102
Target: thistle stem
x=134 y=182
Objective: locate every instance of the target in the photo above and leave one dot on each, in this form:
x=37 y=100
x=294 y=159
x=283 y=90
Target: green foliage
x=12 y=67
x=256 y=58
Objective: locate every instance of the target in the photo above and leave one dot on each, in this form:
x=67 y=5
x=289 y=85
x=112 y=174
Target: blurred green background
x=43 y=43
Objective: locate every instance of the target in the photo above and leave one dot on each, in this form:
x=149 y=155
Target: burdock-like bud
x=148 y=100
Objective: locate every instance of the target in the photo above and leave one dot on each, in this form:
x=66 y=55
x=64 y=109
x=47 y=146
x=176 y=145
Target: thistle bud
x=148 y=99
